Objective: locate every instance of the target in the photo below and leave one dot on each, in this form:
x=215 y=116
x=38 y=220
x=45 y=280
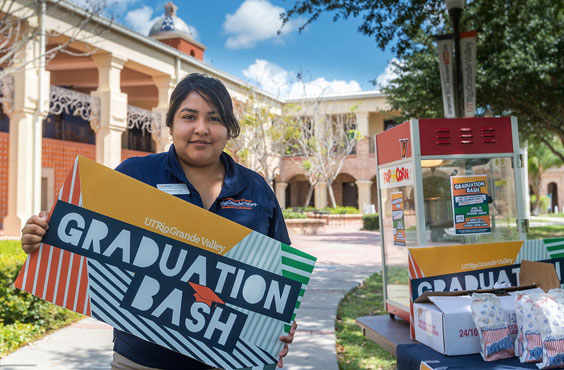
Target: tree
x=21 y=23
x=302 y=146
x=263 y=137
x=386 y=21
x=520 y=55
x=323 y=140
x=543 y=160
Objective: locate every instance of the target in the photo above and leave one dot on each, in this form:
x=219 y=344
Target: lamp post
x=455 y=8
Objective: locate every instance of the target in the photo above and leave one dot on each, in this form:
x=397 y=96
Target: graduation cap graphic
x=205 y=294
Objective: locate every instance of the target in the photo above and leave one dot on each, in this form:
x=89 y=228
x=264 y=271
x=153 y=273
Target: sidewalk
x=345 y=258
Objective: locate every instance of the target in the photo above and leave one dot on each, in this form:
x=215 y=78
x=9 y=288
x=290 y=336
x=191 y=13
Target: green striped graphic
x=555 y=247
x=292 y=275
x=288 y=249
x=297 y=264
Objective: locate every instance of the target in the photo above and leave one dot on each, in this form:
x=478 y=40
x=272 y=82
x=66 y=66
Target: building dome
x=170 y=24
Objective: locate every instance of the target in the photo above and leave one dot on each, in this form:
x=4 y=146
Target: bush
x=371 y=222
x=23 y=317
x=288 y=215
x=340 y=210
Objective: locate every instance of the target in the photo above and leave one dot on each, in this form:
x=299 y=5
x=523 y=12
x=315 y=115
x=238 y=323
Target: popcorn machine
x=446 y=182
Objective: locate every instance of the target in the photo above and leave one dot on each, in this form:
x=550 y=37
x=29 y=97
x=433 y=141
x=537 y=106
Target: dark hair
x=211 y=90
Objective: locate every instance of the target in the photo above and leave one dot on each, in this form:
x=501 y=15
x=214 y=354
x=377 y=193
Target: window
x=4 y=120
x=389 y=123
x=137 y=139
x=68 y=127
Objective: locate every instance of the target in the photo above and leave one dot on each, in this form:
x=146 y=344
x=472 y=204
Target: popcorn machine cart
x=446 y=182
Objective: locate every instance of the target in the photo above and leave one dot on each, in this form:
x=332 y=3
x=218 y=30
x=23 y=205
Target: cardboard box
x=444 y=322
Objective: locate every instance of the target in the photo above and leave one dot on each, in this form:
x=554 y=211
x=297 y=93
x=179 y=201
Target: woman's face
x=198 y=132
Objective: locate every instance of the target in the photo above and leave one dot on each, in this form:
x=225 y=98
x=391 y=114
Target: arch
x=297 y=190
x=552 y=192
x=345 y=190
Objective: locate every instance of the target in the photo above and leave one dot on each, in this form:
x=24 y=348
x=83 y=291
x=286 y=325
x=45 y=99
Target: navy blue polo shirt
x=245 y=198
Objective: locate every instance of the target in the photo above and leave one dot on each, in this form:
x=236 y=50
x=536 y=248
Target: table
x=410 y=356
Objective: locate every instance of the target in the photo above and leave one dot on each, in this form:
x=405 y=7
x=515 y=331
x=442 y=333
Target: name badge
x=174 y=189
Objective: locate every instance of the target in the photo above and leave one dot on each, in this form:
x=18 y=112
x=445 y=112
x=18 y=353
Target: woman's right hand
x=33 y=231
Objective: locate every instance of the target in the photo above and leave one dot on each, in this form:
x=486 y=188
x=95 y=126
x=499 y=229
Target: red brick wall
x=185 y=47
x=361 y=166
x=56 y=154
x=60 y=155
x=126 y=153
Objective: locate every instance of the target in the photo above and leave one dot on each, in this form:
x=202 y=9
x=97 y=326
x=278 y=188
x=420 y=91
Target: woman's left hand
x=286 y=339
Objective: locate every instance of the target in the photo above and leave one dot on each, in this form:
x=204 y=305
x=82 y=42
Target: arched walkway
x=552 y=193
x=345 y=190
x=296 y=192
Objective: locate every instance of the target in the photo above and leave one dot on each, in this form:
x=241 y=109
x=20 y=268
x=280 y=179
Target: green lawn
x=546 y=232
x=23 y=318
x=354 y=351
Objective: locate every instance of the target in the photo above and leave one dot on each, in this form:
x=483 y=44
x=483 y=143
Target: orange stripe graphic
x=71 y=291
x=31 y=270
x=42 y=275
x=63 y=273
x=52 y=273
x=83 y=288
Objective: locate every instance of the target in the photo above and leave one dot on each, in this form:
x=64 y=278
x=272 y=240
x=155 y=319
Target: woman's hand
x=33 y=231
x=286 y=339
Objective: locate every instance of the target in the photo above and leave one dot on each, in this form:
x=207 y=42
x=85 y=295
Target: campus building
x=106 y=97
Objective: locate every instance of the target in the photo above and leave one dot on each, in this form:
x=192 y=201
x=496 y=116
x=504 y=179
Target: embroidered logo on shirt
x=237 y=203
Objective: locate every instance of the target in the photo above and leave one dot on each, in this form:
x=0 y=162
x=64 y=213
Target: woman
x=201 y=120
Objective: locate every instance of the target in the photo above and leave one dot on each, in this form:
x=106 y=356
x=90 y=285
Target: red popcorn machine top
x=446 y=182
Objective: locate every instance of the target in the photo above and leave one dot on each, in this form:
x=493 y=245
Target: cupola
x=173 y=31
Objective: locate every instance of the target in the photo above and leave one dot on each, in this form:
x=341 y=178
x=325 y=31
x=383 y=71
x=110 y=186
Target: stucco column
x=165 y=85
x=321 y=195
x=280 y=189
x=362 y=123
x=113 y=109
x=26 y=131
x=364 y=197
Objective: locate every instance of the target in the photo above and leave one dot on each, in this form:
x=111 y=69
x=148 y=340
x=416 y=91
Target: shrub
x=371 y=222
x=23 y=317
x=340 y=210
x=288 y=215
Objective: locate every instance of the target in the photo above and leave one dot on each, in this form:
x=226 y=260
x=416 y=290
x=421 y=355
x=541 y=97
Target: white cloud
x=254 y=21
x=388 y=75
x=140 y=20
x=268 y=76
x=276 y=81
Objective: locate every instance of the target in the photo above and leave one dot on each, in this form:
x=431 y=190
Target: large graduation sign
x=167 y=271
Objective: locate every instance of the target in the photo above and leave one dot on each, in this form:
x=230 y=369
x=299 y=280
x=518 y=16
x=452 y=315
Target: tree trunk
x=308 y=197
x=332 y=196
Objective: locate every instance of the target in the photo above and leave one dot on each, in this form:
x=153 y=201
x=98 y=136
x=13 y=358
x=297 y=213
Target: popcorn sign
x=396 y=176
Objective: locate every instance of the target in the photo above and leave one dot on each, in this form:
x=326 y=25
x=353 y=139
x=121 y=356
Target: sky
x=241 y=39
